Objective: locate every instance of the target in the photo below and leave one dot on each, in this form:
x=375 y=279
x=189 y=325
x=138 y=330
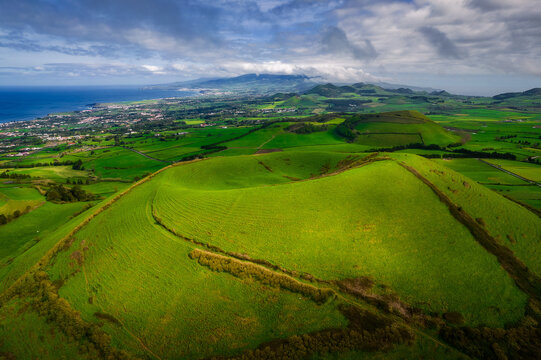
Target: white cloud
x=338 y=40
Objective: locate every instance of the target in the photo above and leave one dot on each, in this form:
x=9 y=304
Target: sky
x=474 y=47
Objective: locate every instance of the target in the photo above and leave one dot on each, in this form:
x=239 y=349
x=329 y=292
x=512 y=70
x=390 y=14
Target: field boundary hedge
x=525 y=279
x=528 y=207
x=238 y=256
x=365 y=331
x=245 y=269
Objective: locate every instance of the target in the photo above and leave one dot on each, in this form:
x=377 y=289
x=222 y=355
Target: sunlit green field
x=347 y=225
x=526 y=170
x=237 y=314
x=510 y=223
x=51 y=172
x=118 y=163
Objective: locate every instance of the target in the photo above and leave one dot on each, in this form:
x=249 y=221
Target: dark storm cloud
x=114 y=21
x=485 y=5
x=335 y=41
x=444 y=47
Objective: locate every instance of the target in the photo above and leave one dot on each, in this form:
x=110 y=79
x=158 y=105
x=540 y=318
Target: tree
x=77 y=165
x=3 y=219
x=53 y=195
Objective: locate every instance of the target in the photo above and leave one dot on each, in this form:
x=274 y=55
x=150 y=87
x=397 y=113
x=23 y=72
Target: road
x=509 y=172
x=147 y=156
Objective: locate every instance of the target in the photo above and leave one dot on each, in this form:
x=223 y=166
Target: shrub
x=245 y=270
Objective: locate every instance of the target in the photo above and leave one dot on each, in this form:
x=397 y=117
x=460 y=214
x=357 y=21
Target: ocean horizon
x=21 y=103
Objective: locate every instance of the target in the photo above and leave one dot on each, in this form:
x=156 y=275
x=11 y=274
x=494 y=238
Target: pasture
x=342 y=226
x=188 y=293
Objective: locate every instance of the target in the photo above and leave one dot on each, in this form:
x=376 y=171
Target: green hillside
x=396 y=128
x=358 y=252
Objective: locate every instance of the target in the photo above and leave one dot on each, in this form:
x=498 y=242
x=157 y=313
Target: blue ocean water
x=27 y=103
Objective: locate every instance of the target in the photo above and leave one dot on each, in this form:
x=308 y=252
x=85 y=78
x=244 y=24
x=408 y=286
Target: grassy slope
x=42 y=340
x=342 y=226
x=121 y=163
x=405 y=122
x=22 y=233
x=130 y=262
x=52 y=227
x=526 y=170
x=322 y=232
x=514 y=226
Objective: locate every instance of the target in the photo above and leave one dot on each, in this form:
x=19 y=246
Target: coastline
x=20 y=104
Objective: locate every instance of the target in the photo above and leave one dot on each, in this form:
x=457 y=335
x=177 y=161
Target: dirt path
x=498 y=167
x=266 y=142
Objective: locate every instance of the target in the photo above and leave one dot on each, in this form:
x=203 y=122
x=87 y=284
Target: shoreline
x=16 y=100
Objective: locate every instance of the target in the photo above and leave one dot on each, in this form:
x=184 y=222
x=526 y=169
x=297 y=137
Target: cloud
x=445 y=47
x=119 y=22
x=337 y=39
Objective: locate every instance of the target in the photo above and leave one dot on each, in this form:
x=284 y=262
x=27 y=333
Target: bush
x=245 y=270
x=60 y=193
x=357 y=336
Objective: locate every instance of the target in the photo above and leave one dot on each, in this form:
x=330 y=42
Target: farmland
x=342 y=222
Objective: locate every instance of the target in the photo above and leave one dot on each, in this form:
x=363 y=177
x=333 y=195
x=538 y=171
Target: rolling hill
x=398 y=128
x=290 y=254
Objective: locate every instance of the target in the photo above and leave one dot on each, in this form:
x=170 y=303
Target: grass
x=348 y=225
x=19 y=192
x=487 y=126
x=480 y=172
x=42 y=340
x=51 y=172
x=257 y=138
x=377 y=221
x=119 y=163
x=286 y=139
x=378 y=140
x=19 y=237
x=526 y=170
x=129 y=249
x=510 y=223
x=431 y=133
x=19 y=198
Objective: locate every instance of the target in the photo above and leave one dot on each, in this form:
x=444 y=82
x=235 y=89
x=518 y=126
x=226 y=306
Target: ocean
x=27 y=103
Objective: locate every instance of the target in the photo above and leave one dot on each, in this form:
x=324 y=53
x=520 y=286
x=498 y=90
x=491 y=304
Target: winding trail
x=498 y=167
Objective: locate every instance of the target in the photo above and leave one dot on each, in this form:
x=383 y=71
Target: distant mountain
x=244 y=84
x=268 y=84
x=388 y=86
x=331 y=90
x=440 y=93
x=531 y=92
x=328 y=90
